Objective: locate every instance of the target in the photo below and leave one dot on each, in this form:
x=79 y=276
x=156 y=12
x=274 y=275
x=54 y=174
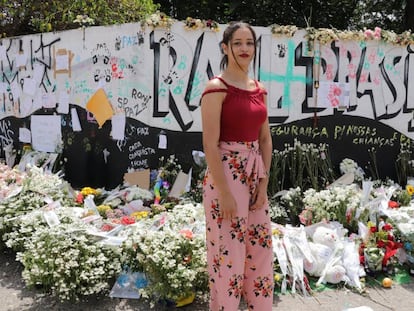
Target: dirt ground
x=14 y=296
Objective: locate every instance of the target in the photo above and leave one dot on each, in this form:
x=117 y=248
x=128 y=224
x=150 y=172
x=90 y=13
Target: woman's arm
x=265 y=140
x=266 y=146
x=211 y=104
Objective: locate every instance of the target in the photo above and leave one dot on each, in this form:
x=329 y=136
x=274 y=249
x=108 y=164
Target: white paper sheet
x=46 y=132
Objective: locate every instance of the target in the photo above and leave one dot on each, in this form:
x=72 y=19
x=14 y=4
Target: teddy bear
x=326 y=248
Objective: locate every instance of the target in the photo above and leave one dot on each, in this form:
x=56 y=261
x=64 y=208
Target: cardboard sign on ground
x=139 y=178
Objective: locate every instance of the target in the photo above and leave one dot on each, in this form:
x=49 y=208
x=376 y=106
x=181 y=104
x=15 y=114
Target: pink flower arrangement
x=127 y=220
x=373 y=35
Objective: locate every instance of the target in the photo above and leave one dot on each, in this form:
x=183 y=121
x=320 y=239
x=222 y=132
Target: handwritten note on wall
x=46 y=132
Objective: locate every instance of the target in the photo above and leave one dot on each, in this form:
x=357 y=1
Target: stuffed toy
x=326 y=249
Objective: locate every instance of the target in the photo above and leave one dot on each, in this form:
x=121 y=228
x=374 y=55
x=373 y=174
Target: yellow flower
x=103 y=208
x=410 y=189
x=88 y=190
x=277 y=277
x=183 y=301
x=275 y=232
x=140 y=215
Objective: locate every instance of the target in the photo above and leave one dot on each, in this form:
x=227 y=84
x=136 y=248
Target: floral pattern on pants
x=239 y=251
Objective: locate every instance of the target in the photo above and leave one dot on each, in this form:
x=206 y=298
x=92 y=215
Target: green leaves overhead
x=26 y=16
x=21 y=17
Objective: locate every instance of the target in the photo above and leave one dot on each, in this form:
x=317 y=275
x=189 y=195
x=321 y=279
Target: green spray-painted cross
x=286 y=79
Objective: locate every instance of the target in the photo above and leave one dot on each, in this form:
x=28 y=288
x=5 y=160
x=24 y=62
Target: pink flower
x=368 y=33
x=79 y=198
x=305 y=217
x=107 y=227
x=377 y=33
x=127 y=220
x=187 y=233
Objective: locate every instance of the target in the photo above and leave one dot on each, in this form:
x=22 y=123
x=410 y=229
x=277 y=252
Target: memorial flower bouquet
x=10 y=181
x=159 y=19
x=196 y=23
x=98 y=195
x=277 y=211
x=16 y=206
x=283 y=30
x=327 y=35
x=350 y=166
x=170 y=250
x=402 y=220
x=286 y=206
x=64 y=262
x=83 y=20
x=52 y=185
x=25 y=226
x=37 y=188
x=174 y=264
x=338 y=203
x=379 y=247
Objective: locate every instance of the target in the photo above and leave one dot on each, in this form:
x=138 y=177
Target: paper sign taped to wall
x=25 y=136
x=118 y=126
x=139 y=178
x=100 y=106
x=46 y=132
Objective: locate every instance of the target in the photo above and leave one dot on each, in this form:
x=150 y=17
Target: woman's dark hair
x=228 y=35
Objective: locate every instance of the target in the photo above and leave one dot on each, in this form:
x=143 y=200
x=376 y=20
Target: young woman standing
x=238 y=147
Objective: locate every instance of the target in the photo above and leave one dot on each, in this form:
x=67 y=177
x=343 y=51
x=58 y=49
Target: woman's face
x=241 y=48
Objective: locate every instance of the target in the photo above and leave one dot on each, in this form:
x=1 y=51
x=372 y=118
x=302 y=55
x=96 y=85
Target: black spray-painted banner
x=155 y=78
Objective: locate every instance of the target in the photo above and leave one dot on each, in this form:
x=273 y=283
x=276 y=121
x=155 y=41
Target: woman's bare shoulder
x=261 y=85
x=215 y=83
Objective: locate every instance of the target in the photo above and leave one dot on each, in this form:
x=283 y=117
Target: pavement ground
x=14 y=296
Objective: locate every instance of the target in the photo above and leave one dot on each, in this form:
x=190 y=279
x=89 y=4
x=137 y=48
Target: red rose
x=381 y=244
x=393 y=204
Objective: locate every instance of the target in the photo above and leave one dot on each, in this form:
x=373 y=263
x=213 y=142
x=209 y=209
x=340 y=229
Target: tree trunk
x=409 y=15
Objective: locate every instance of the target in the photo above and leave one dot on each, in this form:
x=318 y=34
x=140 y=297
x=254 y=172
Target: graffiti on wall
x=157 y=77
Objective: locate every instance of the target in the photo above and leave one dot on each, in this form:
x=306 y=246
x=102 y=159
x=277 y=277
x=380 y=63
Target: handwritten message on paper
x=46 y=132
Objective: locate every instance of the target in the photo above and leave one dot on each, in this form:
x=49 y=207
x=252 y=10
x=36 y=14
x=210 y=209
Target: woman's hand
x=259 y=196
x=227 y=206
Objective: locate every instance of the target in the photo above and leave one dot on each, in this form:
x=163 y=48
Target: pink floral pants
x=239 y=251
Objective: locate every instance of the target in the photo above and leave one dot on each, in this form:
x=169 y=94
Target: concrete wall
x=155 y=78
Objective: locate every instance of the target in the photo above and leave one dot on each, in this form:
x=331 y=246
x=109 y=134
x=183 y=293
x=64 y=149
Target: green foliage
x=402 y=197
x=349 y=14
x=26 y=16
x=384 y=14
x=404 y=164
x=203 y=9
x=301 y=165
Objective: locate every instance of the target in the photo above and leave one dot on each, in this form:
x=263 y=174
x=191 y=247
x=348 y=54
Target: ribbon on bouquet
x=295 y=244
x=280 y=252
